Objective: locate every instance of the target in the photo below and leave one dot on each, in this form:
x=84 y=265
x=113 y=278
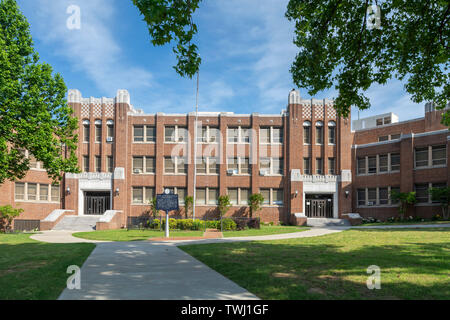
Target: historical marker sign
x=167 y=202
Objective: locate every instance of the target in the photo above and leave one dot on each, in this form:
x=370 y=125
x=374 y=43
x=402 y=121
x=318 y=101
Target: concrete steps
x=327 y=222
x=75 y=223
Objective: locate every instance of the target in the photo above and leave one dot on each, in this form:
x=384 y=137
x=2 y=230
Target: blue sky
x=246 y=48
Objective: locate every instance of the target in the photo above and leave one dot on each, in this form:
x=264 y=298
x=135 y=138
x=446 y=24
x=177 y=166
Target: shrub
x=212 y=224
x=7 y=215
x=172 y=224
x=198 y=225
x=185 y=224
x=156 y=224
x=228 y=224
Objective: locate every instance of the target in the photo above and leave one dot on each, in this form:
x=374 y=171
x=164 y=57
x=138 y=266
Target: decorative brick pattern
x=97 y=110
x=318 y=111
x=331 y=112
x=85 y=110
x=306 y=112
x=109 y=110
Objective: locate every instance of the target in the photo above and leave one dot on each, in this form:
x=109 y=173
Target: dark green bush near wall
x=228 y=224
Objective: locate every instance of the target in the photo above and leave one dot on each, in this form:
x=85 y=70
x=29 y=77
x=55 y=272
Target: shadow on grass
x=414 y=264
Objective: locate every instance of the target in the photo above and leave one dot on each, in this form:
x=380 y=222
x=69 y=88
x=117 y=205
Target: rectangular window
x=277 y=196
x=181 y=192
x=361 y=197
x=362 y=165
x=307 y=135
x=214 y=135
x=383 y=138
x=138 y=195
x=264 y=165
x=395 y=136
x=233 y=135
x=277 y=135
x=266 y=194
x=439 y=155
x=373 y=164
x=371 y=196
x=19 y=191
x=201 y=165
x=394 y=189
x=182 y=134
x=200 y=196
x=383 y=163
x=383 y=196
x=203 y=136
x=98 y=164
x=149 y=194
x=138 y=134
x=421 y=192
x=55 y=193
x=213 y=166
x=306 y=166
x=332 y=135
x=138 y=165
x=319 y=135
x=86 y=163
x=395 y=161
x=32 y=189
x=319 y=166
x=264 y=135
x=233 y=195
x=110 y=163
x=277 y=165
x=331 y=166
x=98 y=133
x=245 y=135
x=150 y=134
x=421 y=156
x=213 y=194
x=387 y=120
x=232 y=164
x=86 y=133
x=110 y=130
x=379 y=122
x=43 y=192
x=441 y=185
x=149 y=165
x=181 y=166
x=169 y=165
x=244 y=196
x=169 y=134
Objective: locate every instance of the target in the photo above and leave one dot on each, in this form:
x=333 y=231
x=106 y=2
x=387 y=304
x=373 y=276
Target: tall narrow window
x=307 y=132
x=277 y=135
x=319 y=132
x=233 y=194
x=306 y=166
x=332 y=132
x=98 y=131
x=149 y=165
x=372 y=164
x=55 y=193
x=421 y=157
x=422 y=195
x=383 y=195
x=362 y=165
x=138 y=195
x=371 y=196
x=383 y=160
x=138 y=133
x=19 y=191
x=43 y=192
x=361 y=193
x=319 y=166
x=109 y=130
x=138 y=165
x=200 y=196
x=86 y=130
x=395 y=161
x=331 y=166
x=32 y=191
x=98 y=164
x=169 y=134
x=86 y=163
x=150 y=134
x=439 y=155
x=264 y=135
x=110 y=163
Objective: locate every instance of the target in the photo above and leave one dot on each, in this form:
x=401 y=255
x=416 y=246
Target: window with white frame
x=439 y=155
x=206 y=196
x=271 y=135
x=239 y=196
x=380 y=196
x=98 y=131
x=238 y=135
x=86 y=163
x=271 y=166
x=331 y=132
x=110 y=163
x=306 y=165
x=208 y=135
x=143 y=195
x=143 y=165
x=361 y=165
x=372 y=164
x=272 y=196
x=55 y=192
x=319 y=166
x=395 y=161
x=331 y=166
x=361 y=195
x=319 y=132
x=138 y=133
x=98 y=164
x=180 y=191
x=175 y=165
x=86 y=130
x=109 y=130
x=383 y=163
x=207 y=165
x=19 y=191
x=421 y=190
x=307 y=132
x=421 y=157
x=43 y=192
x=36 y=192
x=239 y=165
x=175 y=134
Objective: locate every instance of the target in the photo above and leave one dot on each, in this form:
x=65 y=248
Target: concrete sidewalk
x=150 y=271
x=59 y=236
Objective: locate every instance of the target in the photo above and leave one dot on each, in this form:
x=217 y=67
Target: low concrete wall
x=54 y=218
x=111 y=220
x=298 y=220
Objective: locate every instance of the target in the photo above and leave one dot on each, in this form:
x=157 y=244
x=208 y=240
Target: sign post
x=167 y=202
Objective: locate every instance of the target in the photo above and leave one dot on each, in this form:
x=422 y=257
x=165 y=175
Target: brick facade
x=297 y=186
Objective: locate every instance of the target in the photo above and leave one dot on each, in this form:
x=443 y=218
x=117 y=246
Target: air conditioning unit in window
x=137 y=171
x=370 y=203
x=263 y=172
x=109 y=139
x=232 y=172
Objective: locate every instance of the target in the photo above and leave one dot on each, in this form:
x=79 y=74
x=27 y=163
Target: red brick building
x=305 y=161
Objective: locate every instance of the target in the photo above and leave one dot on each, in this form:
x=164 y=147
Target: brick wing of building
x=306 y=161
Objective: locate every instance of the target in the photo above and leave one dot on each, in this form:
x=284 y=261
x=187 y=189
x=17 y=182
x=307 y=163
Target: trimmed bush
x=228 y=224
x=156 y=224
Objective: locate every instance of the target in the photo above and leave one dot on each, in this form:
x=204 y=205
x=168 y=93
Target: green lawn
x=265 y=230
x=133 y=235
x=415 y=264
x=405 y=222
x=31 y=270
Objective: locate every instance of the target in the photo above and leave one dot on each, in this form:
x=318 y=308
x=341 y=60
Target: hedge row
x=189 y=224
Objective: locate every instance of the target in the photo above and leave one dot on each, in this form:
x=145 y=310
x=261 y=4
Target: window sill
x=144 y=174
x=431 y=167
x=37 y=201
x=143 y=142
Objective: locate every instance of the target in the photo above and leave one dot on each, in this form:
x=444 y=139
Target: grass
x=415 y=264
x=139 y=235
x=133 y=235
x=33 y=270
x=265 y=230
x=406 y=222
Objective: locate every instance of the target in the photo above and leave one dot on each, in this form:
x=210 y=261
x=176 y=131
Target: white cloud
x=92 y=49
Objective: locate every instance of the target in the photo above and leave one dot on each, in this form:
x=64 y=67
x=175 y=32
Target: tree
x=256 y=200
x=404 y=199
x=34 y=115
x=224 y=206
x=7 y=215
x=337 y=47
x=153 y=207
x=188 y=204
x=443 y=196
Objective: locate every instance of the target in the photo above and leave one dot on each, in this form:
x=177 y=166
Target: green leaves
x=337 y=47
x=33 y=109
x=171 y=20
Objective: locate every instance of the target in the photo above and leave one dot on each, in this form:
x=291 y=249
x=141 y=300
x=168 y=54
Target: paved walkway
x=150 y=271
x=56 y=236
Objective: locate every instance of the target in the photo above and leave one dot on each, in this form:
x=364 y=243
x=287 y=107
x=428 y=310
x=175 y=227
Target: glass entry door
x=96 y=203
x=319 y=206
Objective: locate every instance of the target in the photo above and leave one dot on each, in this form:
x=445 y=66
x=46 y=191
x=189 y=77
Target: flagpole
x=195 y=148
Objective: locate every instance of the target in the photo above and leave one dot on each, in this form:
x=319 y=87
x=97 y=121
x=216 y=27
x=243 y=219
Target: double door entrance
x=96 y=203
x=319 y=205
